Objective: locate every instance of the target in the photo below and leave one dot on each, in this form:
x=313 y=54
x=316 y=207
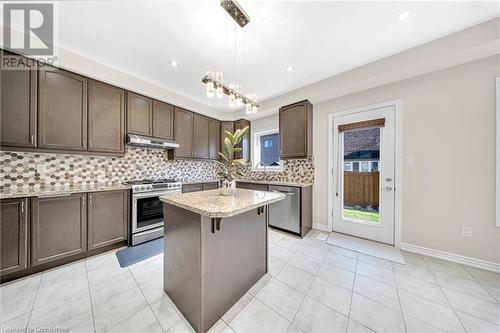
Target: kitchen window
x=266 y=150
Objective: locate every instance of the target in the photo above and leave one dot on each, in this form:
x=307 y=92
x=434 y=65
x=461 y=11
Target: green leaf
x=237 y=149
x=224 y=157
x=228 y=147
x=229 y=135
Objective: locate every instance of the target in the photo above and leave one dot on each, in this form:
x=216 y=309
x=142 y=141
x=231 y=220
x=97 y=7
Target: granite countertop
x=60 y=190
x=213 y=204
x=275 y=182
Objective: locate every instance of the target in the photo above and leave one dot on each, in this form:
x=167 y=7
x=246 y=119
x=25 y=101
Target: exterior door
x=364 y=174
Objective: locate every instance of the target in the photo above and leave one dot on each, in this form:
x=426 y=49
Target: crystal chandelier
x=214 y=82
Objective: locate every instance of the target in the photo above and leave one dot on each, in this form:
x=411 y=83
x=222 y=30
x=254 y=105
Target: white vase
x=228 y=187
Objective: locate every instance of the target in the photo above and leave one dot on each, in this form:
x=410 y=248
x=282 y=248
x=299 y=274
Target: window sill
x=280 y=169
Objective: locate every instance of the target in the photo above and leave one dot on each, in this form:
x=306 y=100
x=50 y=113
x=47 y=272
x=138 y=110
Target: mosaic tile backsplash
x=20 y=170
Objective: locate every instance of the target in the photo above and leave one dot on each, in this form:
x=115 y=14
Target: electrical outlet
x=466 y=231
x=41 y=168
x=409 y=160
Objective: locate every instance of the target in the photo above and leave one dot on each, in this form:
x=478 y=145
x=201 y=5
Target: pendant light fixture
x=214 y=82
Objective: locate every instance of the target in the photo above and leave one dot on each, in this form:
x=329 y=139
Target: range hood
x=134 y=140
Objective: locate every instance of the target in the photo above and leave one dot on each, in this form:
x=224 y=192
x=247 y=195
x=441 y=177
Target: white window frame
x=497 y=199
x=256 y=151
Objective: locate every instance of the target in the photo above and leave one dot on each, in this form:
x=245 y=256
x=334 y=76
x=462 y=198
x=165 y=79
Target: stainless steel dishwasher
x=285 y=214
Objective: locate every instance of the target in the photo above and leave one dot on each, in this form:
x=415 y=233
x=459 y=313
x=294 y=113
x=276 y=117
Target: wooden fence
x=361 y=188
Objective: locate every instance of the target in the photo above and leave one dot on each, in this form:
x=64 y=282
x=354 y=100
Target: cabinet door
x=200 y=136
x=59 y=227
x=163 y=120
x=14 y=235
x=107 y=218
x=139 y=114
x=18 y=105
x=296 y=130
x=62 y=110
x=213 y=139
x=106 y=118
x=245 y=142
x=225 y=126
x=183 y=132
x=244 y=185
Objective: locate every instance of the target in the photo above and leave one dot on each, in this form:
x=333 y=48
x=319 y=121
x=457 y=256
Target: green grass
x=360 y=215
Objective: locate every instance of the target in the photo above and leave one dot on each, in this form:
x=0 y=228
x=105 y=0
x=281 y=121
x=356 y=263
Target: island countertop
x=215 y=205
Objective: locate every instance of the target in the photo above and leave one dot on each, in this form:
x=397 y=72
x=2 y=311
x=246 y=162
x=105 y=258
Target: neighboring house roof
x=364 y=144
x=360 y=155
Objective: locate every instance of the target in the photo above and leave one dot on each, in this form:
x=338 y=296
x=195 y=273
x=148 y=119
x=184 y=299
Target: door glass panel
x=361 y=161
x=149 y=211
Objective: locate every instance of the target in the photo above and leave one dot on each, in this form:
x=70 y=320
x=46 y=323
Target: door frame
x=398 y=107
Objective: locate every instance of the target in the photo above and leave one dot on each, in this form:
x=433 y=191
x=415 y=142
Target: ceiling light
x=173 y=63
x=289 y=69
x=404 y=15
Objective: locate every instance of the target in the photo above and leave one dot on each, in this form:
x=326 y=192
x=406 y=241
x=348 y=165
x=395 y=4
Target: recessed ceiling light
x=173 y=63
x=404 y=15
x=289 y=69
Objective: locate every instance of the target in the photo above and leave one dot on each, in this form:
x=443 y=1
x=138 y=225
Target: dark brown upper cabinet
x=213 y=139
x=107 y=218
x=296 y=124
x=139 y=114
x=163 y=120
x=200 y=147
x=183 y=132
x=245 y=142
x=62 y=110
x=14 y=223
x=59 y=227
x=106 y=127
x=225 y=126
x=18 y=107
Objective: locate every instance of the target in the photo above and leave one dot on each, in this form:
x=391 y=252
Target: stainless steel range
x=147 y=209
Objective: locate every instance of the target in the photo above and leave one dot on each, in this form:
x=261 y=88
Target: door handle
x=387 y=188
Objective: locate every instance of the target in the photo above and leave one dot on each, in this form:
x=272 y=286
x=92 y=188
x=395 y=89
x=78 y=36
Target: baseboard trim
x=321 y=227
x=478 y=263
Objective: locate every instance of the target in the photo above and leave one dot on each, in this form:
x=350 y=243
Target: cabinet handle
x=90 y=143
x=32 y=139
x=22 y=207
x=90 y=199
x=83 y=201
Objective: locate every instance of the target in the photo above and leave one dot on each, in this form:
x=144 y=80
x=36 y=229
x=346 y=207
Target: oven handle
x=153 y=194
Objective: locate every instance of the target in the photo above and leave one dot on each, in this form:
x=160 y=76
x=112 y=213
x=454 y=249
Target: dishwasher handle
x=284 y=192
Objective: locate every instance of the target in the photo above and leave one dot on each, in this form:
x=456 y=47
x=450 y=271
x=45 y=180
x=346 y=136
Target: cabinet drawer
x=210 y=186
x=192 y=188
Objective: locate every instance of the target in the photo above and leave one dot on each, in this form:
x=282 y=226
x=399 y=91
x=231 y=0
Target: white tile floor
x=311 y=287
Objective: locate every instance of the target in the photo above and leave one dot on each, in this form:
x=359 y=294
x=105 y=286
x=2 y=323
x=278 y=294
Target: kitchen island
x=215 y=250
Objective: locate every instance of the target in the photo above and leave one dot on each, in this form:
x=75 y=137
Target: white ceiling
x=319 y=39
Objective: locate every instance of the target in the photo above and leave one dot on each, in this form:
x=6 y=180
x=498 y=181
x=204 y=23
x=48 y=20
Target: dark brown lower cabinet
x=251 y=186
x=14 y=227
x=107 y=218
x=187 y=188
x=210 y=186
x=59 y=227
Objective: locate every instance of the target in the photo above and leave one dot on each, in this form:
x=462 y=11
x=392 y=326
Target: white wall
x=448 y=124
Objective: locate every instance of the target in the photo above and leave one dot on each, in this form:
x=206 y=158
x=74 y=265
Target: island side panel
x=182 y=262
x=234 y=258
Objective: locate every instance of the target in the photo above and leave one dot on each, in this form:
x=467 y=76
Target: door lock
x=387 y=188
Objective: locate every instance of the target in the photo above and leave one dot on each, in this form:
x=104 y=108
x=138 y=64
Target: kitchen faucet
x=262 y=164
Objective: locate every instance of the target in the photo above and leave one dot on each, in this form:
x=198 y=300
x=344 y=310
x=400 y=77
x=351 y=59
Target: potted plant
x=230 y=167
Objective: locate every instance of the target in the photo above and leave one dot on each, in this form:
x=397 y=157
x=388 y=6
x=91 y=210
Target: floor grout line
x=90 y=296
x=444 y=294
x=399 y=300
x=34 y=300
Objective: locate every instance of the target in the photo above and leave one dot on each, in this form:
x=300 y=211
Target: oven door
x=147 y=211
